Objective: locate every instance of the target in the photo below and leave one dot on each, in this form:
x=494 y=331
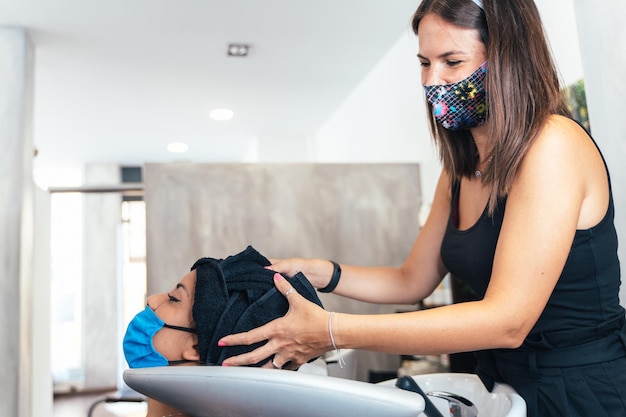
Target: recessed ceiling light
x=238 y=49
x=177 y=147
x=221 y=114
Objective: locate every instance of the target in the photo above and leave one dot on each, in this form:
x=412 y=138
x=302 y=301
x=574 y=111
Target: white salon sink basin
x=215 y=391
x=502 y=402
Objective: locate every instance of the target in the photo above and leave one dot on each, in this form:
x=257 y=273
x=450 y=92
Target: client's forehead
x=188 y=283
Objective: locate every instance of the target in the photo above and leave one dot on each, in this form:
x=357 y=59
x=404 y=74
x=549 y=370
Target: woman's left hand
x=294 y=339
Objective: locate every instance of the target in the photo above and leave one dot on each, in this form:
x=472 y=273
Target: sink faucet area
x=448 y=392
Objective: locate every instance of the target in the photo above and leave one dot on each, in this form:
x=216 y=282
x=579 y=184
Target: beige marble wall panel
x=364 y=214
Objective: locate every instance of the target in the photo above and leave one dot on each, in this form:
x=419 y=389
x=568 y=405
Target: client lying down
x=216 y=298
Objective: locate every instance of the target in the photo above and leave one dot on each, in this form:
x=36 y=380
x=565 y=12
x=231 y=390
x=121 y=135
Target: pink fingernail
x=225 y=364
x=221 y=344
x=278 y=277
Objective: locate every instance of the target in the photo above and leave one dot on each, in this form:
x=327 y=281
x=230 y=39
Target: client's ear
x=191 y=353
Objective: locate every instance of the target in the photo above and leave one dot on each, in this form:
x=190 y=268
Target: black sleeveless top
x=586 y=295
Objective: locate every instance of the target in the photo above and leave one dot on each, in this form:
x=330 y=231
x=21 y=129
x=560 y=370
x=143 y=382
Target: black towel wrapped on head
x=237 y=294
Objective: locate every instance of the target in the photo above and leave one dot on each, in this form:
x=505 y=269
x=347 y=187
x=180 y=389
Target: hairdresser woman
x=523 y=213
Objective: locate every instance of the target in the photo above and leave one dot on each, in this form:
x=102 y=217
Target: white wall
x=603 y=43
x=559 y=20
x=384 y=118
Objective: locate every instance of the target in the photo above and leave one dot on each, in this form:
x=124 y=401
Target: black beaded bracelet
x=334 y=280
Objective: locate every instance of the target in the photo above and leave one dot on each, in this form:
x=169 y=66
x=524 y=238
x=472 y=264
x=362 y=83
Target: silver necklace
x=478 y=173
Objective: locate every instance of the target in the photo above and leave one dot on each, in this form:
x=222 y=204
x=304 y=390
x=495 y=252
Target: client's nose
x=155 y=300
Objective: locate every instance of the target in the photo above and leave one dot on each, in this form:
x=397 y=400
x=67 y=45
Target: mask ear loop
x=184 y=329
x=180 y=361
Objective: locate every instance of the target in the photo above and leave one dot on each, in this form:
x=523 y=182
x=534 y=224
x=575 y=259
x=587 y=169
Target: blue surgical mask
x=460 y=105
x=138 y=348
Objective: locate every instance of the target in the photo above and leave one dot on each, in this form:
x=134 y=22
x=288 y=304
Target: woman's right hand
x=301 y=334
x=317 y=271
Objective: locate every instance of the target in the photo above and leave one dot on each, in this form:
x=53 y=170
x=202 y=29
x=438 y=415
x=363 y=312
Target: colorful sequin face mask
x=460 y=105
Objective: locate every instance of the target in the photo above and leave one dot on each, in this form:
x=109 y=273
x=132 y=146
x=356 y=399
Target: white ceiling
x=117 y=80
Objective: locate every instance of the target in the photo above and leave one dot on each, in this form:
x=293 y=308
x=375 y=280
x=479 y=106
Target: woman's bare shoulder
x=566 y=164
x=562 y=139
x=557 y=127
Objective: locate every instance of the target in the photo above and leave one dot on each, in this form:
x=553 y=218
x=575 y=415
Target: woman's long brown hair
x=522 y=86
